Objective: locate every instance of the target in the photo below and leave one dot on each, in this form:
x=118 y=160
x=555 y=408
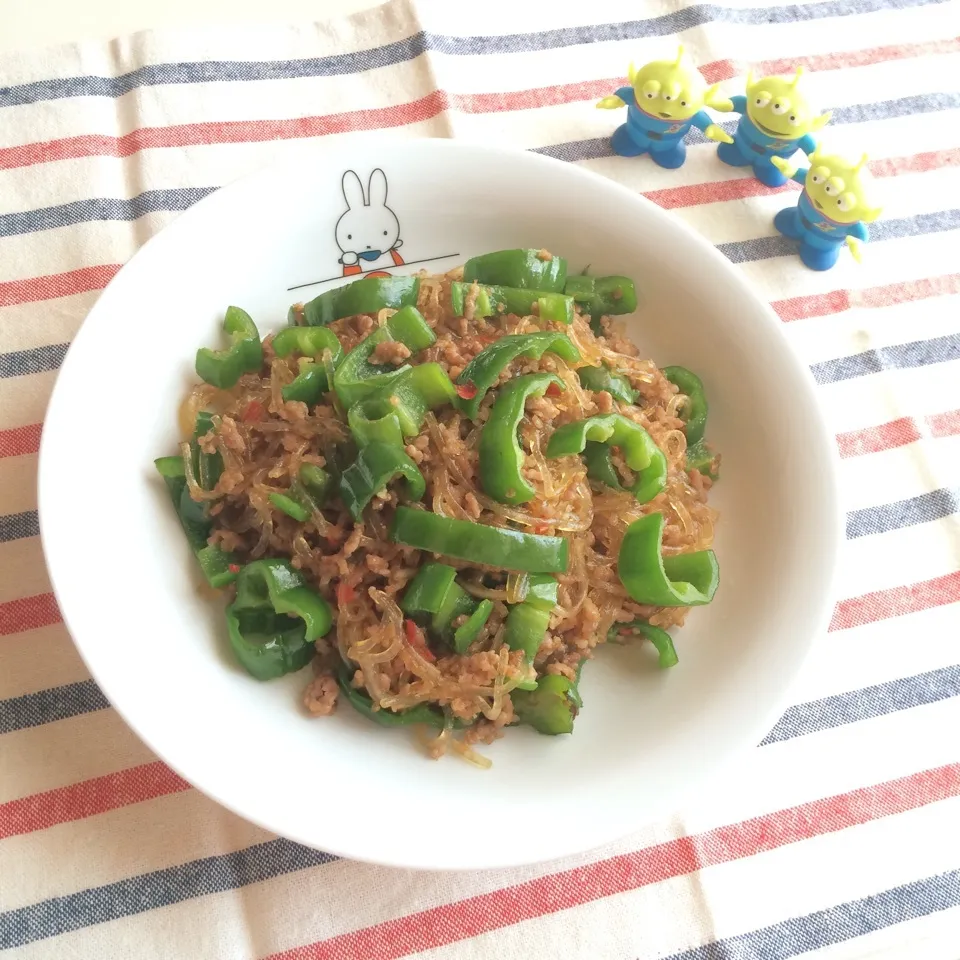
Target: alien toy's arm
x=624 y=97
x=799 y=174
x=739 y=103
x=807 y=144
x=711 y=130
x=857 y=235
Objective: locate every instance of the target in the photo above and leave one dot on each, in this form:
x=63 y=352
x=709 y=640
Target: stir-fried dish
x=444 y=492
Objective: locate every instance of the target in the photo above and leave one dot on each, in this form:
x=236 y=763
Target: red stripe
x=670 y=198
x=434 y=103
x=944 y=424
x=836 y=301
x=20 y=440
x=896 y=433
x=452 y=922
x=28 y=613
x=885 y=436
x=57 y=284
x=236 y=131
x=88 y=798
x=896 y=601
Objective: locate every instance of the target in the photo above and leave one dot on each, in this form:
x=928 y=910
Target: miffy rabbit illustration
x=368 y=232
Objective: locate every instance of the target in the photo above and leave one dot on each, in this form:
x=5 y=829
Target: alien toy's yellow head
x=672 y=89
x=778 y=107
x=840 y=189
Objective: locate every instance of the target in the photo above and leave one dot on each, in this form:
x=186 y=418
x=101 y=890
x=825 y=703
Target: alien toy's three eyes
x=779 y=107
x=833 y=187
x=652 y=90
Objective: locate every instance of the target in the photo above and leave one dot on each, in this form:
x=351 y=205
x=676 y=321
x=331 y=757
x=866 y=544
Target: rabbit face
x=368 y=228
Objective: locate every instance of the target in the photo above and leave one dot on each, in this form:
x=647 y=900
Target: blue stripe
x=901 y=356
x=100 y=208
x=763 y=248
x=401 y=51
x=47 y=706
x=904 y=693
x=21 y=363
x=885 y=517
x=198 y=878
x=856 y=918
x=19 y=526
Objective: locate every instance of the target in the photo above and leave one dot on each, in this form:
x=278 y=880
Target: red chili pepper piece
x=554 y=390
x=234 y=567
x=415 y=639
x=466 y=391
x=253 y=411
x=345 y=594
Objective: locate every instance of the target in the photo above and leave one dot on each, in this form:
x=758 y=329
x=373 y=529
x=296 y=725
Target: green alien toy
x=776 y=121
x=664 y=100
x=833 y=208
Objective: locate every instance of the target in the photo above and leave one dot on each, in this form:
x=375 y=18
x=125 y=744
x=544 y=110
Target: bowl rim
x=327 y=155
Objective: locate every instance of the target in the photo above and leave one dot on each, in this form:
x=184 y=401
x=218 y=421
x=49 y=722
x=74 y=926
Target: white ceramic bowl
x=128 y=587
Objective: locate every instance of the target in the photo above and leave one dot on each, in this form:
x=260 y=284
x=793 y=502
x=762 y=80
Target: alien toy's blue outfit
x=820 y=237
x=645 y=133
x=752 y=147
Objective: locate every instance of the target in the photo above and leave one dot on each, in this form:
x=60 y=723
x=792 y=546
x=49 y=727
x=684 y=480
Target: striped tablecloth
x=838 y=837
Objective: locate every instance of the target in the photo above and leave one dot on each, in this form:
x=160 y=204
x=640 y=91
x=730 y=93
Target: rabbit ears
x=376 y=195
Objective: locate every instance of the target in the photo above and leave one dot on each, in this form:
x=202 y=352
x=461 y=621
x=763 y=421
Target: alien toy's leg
x=767 y=173
x=669 y=157
x=732 y=155
x=787 y=221
x=627 y=142
x=819 y=257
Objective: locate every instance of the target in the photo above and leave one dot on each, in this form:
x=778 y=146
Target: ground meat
x=603 y=401
x=320 y=697
x=390 y=351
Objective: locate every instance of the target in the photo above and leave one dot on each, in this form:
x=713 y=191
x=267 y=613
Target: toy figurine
x=664 y=100
x=832 y=209
x=776 y=120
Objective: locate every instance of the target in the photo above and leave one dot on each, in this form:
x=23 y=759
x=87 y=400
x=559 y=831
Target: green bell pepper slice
x=695 y=418
x=525 y=628
x=542 y=591
x=427 y=590
x=374 y=421
x=207 y=467
x=661 y=640
x=517 y=268
x=369 y=295
x=223 y=368
x=290 y=506
x=551 y=708
x=265 y=639
x=581 y=287
x=490 y=301
x=501 y=456
x=603 y=378
x=312 y=382
x=361 y=702
x=468 y=631
x=308 y=342
x=684 y=580
x=376 y=465
x=640 y=451
x=317 y=482
x=479 y=543
x=700 y=457
x=357 y=378
x=483 y=371
x=434 y=598
x=218 y=568
x=399 y=409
